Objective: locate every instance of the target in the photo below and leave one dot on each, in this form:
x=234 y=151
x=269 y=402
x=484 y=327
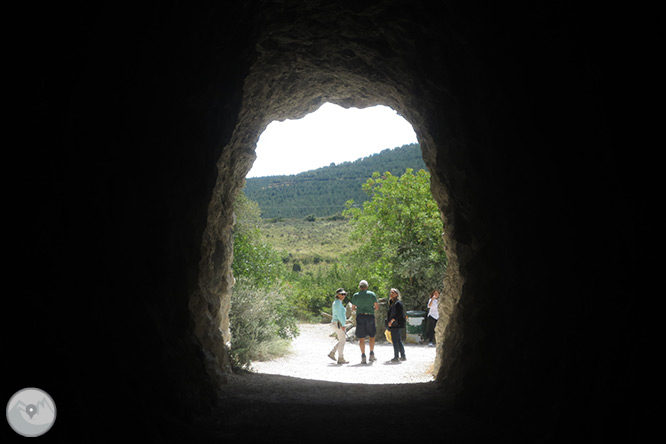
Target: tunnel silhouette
x=133 y=130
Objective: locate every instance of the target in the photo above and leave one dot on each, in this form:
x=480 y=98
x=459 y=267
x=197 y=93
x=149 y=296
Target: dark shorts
x=365 y=326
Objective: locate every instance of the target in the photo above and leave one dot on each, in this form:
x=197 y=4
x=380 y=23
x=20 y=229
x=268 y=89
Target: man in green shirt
x=365 y=303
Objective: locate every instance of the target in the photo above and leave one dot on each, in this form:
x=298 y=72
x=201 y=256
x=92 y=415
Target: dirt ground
x=308 y=360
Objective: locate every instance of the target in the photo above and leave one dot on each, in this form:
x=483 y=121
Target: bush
x=337 y=216
x=262 y=323
x=313 y=293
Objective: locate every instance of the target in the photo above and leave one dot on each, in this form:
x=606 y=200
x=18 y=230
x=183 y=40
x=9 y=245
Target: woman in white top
x=433 y=316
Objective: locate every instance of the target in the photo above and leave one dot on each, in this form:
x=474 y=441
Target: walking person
x=365 y=303
x=338 y=324
x=395 y=321
x=433 y=316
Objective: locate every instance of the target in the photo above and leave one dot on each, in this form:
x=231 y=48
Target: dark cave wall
x=121 y=115
x=125 y=124
x=546 y=259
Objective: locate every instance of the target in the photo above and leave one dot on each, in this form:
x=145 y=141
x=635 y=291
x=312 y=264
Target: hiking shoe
x=363 y=359
x=332 y=355
x=342 y=361
x=395 y=360
x=403 y=358
x=372 y=356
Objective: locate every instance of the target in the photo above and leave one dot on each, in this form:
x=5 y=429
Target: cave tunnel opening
x=326 y=138
x=291 y=76
x=137 y=128
x=218 y=283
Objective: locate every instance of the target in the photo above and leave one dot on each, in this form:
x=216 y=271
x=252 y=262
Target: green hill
x=324 y=191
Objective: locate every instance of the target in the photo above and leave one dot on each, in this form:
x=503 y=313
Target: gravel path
x=308 y=360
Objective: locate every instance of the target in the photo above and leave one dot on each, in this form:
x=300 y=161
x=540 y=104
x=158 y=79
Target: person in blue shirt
x=338 y=322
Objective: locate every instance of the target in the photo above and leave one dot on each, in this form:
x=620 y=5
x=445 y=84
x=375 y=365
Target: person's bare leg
x=372 y=349
x=361 y=342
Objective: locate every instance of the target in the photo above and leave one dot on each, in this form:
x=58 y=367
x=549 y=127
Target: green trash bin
x=414 y=326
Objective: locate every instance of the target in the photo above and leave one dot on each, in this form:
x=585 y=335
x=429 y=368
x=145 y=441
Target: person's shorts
x=365 y=326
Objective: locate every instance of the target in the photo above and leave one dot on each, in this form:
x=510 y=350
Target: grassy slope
x=307 y=241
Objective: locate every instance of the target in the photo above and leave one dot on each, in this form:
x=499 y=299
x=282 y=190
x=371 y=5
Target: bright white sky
x=330 y=134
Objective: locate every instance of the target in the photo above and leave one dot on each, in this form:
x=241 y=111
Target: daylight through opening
x=337 y=197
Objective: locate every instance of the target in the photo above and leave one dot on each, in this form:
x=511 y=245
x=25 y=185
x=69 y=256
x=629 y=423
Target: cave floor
x=259 y=406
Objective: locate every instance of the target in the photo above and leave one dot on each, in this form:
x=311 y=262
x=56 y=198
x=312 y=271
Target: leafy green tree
x=399 y=233
x=254 y=259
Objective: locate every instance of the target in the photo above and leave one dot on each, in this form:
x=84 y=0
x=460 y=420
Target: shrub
x=261 y=321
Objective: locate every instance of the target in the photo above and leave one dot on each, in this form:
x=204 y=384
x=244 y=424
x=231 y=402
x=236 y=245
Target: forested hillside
x=324 y=191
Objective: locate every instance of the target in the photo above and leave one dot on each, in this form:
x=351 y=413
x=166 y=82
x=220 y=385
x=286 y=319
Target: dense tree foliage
x=324 y=191
x=399 y=233
x=254 y=259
